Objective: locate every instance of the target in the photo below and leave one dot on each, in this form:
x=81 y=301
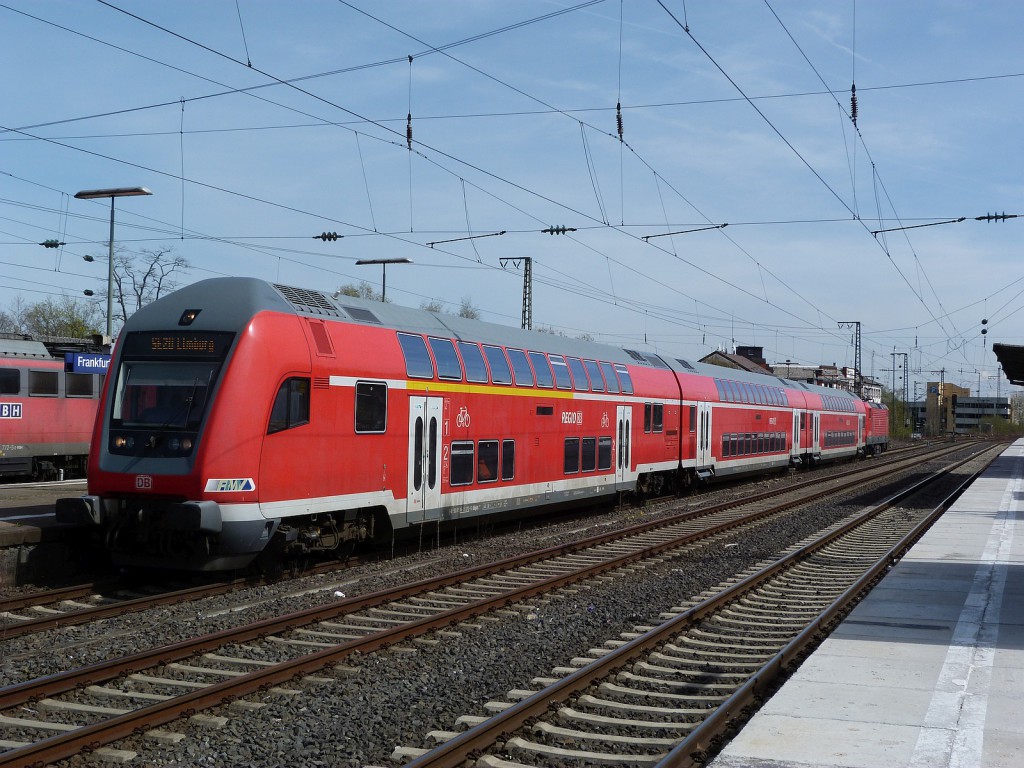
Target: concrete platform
x=26 y=511
x=928 y=670
x=33 y=545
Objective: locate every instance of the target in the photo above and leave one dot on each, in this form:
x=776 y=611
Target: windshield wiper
x=192 y=397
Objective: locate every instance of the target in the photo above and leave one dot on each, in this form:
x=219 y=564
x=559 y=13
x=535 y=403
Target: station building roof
x=1011 y=358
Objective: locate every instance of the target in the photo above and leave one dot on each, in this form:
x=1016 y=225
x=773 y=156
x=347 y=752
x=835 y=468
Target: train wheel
x=43 y=470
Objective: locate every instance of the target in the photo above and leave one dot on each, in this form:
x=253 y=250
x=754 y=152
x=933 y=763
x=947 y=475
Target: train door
x=424 y=481
x=624 y=445
x=816 y=444
x=860 y=431
x=795 y=447
x=704 y=458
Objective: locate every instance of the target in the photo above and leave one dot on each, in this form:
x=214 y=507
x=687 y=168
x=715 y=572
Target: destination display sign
x=80 y=362
x=178 y=344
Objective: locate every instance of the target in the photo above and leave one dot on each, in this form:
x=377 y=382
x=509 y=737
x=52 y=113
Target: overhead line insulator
x=325 y=236
x=558 y=230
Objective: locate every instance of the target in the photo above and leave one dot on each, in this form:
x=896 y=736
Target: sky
x=741 y=204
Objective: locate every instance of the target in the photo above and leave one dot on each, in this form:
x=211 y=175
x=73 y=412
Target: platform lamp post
x=384 y=271
x=94 y=194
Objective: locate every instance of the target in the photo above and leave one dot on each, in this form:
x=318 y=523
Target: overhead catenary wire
x=789 y=144
x=374 y=227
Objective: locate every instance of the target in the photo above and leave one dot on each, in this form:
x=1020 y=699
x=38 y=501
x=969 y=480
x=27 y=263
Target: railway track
x=105 y=702
x=669 y=695
x=43 y=610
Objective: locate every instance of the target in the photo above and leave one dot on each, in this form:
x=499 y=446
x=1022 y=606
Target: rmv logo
x=230 y=485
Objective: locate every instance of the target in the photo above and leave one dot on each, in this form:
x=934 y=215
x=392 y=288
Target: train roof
x=232 y=302
x=47 y=347
x=24 y=348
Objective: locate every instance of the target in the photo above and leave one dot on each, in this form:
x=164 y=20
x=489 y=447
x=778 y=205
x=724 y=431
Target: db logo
x=143 y=482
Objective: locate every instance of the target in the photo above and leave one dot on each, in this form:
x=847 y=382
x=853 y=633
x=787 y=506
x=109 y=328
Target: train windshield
x=167 y=395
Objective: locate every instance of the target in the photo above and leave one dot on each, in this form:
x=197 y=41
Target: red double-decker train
x=46 y=412
x=240 y=415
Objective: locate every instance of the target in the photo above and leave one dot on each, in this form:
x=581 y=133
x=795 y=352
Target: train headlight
x=174 y=444
x=186 y=444
x=122 y=441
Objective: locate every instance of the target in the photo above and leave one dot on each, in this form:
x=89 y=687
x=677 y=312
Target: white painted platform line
x=953 y=732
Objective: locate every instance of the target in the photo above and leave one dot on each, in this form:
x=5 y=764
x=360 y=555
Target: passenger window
x=609 y=378
x=371 y=406
x=42 y=383
x=658 y=418
x=648 y=410
x=542 y=369
x=596 y=380
x=589 y=454
x=487 y=461
x=463 y=468
x=508 y=459
x=417 y=360
x=476 y=369
x=520 y=368
x=79 y=384
x=500 y=372
x=291 y=406
x=571 y=464
x=448 y=365
x=624 y=379
x=10 y=381
x=579 y=375
x=604 y=453
x=562 y=379
x=693 y=418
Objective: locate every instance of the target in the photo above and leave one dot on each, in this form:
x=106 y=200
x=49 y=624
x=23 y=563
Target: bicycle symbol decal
x=462 y=420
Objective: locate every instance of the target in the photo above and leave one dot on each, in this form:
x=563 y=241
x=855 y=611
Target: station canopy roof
x=1011 y=357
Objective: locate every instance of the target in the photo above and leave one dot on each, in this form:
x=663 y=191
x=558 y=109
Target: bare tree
x=551 y=330
x=142 y=279
x=434 y=305
x=466 y=309
x=12 y=320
